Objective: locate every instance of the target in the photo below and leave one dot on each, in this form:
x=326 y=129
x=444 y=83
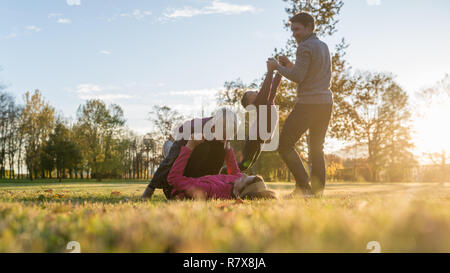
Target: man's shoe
x=318 y=194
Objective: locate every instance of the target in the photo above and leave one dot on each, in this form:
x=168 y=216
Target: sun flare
x=433 y=130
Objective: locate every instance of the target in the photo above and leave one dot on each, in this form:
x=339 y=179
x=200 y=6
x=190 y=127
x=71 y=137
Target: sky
x=179 y=53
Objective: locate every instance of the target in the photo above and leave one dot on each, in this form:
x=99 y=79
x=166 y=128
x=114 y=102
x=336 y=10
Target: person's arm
x=205 y=186
x=232 y=166
x=264 y=92
x=298 y=72
x=273 y=90
x=176 y=178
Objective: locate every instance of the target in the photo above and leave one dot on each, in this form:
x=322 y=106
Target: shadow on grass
x=77 y=199
x=291 y=186
x=47 y=182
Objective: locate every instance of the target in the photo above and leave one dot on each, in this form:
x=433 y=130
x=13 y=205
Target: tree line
x=35 y=142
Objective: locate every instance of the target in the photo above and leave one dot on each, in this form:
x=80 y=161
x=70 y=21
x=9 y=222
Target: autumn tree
x=381 y=121
x=38 y=122
x=61 y=151
x=149 y=147
x=98 y=127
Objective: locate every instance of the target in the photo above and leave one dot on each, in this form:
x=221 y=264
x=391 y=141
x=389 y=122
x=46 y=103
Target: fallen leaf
x=223 y=206
x=49 y=190
x=227 y=205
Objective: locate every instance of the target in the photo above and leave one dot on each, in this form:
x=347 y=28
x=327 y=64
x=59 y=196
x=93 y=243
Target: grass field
x=110 y=217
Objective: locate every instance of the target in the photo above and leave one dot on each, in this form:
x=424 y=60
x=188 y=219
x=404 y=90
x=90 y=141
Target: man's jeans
x=316 y=118
x=207 y=159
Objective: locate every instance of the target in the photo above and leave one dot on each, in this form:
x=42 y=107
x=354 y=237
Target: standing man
x=312 y=73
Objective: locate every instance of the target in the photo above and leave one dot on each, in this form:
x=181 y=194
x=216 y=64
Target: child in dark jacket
x=265 y=96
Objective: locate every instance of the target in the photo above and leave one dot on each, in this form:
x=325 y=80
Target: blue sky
x=141 y=53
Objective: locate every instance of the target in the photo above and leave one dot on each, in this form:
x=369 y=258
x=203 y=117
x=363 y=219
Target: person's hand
x=226 y=145
x=192 y=143
x=269 y=66
x=240 y=184
x=284 y=61
x=272 y=64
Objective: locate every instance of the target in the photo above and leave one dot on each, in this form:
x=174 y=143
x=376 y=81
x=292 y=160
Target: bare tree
x=164 y=118
x=15 y=136
x=6 y=101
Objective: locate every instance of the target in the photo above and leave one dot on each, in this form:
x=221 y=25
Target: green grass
x=401 y=217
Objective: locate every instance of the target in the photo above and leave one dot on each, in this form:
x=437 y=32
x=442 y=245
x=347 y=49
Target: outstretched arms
x=209 y=186
x=274 y=88
x=298 y=72
x=176 y=178
x=264 y=92
x=232 y=166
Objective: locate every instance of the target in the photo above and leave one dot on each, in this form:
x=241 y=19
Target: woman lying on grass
x=222 y=186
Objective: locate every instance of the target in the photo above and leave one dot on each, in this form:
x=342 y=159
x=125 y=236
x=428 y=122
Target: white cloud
x=216 y=7
x=16 y=32
x=60 y=18
x=105 y=52
x=88 y=88
x=227 y=8
x=33 y=28
x=197 y=92
x=64 y=21
x=11 y=36
x=373 y=2
x=105 y=97
x=73 y=2
x=185 y=12
x=90 y=91
x=53 y=15
x=135 y=14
